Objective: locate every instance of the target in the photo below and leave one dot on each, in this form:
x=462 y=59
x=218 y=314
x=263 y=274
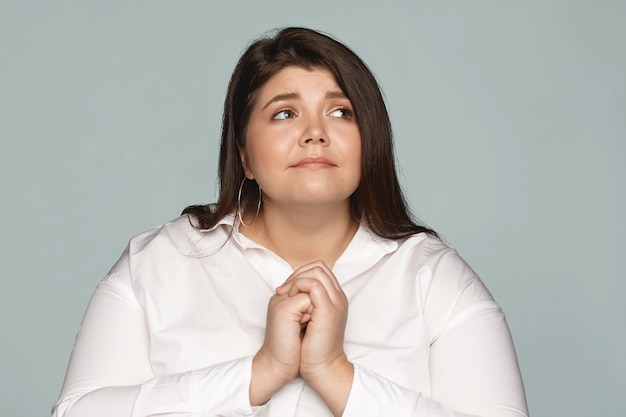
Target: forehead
x=294 y=79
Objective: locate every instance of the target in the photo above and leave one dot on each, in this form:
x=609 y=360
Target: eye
x=283 y=115
x=342 y=112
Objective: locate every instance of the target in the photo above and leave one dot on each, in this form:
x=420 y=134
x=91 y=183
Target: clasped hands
x=310 y=297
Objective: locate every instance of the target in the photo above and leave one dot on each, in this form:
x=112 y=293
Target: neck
x=301 y=235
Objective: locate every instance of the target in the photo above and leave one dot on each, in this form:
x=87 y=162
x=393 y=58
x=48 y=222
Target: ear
x=244 y=162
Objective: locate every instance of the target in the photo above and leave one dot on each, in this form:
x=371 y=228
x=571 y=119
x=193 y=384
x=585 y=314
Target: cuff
x=224 y=389
x=221 y=389
x=373 y=395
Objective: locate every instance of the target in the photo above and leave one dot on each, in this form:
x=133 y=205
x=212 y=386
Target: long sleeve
x=172 y=329
x=473 y=368
x=472 y=364
x=110 y=372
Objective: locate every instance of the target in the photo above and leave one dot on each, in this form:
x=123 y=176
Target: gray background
x=510 y=128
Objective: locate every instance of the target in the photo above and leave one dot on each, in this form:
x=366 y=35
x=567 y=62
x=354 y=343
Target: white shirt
x=172 y=329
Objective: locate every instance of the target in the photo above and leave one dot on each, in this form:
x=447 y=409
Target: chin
x=322 y=200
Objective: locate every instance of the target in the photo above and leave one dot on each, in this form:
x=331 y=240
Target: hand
x=323 y=363
x=278 y=360
x=322 y=343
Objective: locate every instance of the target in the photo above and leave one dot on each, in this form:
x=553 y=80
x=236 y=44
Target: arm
x=472 y=362
x=109 y=373
x=473 y=370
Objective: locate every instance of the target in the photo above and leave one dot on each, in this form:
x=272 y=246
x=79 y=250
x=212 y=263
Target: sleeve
x=109 y=373
x=473 y=364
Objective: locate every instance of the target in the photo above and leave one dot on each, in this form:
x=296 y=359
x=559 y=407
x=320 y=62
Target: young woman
x=307 y=289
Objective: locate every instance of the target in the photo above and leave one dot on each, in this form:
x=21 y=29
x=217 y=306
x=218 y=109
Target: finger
x=318 y=270
x=319 y=296
x=304 y=268
x=328 y=274
x=306 y=317
x=309 y=283
x=292 y=308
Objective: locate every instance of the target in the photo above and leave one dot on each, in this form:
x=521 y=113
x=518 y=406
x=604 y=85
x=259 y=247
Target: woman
x=307 y=290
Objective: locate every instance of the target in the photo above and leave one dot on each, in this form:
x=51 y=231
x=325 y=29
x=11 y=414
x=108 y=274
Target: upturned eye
x=283 y=115
x=343 y=112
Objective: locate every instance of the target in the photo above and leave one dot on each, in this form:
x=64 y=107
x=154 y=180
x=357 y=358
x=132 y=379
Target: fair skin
x=303 y=147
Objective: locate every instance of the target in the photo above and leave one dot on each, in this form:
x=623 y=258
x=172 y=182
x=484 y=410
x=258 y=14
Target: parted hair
x=378 y=200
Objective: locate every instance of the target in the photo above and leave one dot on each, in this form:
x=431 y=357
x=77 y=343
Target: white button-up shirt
x=172 y=329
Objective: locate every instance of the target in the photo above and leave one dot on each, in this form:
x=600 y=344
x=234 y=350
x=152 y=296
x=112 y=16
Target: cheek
x=356 y=150
x=259 y=160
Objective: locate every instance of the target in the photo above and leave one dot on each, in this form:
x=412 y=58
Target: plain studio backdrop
x=510 y=129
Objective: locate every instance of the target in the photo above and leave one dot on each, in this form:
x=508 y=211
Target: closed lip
x=314 y=162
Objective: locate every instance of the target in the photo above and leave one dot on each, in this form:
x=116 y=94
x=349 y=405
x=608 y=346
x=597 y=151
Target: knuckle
x=316 y=284
x=318 y=269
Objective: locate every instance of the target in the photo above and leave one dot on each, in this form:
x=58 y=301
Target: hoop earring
x=258 y=207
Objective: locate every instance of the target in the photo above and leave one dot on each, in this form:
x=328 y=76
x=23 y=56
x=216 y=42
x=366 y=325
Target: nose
x=314 y=133
x=320 y=140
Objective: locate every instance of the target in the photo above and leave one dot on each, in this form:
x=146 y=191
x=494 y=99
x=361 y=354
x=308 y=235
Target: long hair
x=378 y=200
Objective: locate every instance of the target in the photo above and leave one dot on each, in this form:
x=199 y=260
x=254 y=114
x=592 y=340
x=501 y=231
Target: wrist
x=267 y=378
x=337 y=367
x=332 y=382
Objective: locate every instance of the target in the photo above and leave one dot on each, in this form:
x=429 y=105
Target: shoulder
x=427 y=250
x=163 y=255
x=180 y=236
x=168 y=252
x=442 y=272
x=451 y=287
x=407 y=256
x=174 y=234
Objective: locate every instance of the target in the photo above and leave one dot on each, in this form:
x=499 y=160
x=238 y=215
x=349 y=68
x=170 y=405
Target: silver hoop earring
x=258 y=207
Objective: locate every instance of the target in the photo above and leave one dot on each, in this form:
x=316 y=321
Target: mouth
x=317 y=162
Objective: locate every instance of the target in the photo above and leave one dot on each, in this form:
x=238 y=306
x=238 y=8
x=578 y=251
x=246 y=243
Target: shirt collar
x=364 y=250
x=363 y=236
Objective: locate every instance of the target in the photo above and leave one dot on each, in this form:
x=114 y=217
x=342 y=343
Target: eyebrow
x=296 y=96
x=281 y=97
x=335 y=94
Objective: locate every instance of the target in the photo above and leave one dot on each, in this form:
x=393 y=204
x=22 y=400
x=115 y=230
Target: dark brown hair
x=378 y=201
